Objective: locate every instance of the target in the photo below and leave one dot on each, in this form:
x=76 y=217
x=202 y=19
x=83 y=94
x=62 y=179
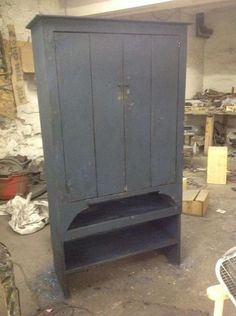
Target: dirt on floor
x=140 y=285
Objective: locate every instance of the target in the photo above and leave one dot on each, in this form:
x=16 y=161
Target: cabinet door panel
x=74 y=84
x=137 y=100
x=106 y=57
x=165 y=63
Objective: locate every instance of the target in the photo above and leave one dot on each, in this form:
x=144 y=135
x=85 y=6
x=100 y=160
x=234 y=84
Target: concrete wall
x=211 y=63
x=195 y=60
x=220 y=50
x=219 y=57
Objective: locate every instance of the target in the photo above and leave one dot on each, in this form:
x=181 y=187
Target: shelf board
x=117 y=244
x=107 y=216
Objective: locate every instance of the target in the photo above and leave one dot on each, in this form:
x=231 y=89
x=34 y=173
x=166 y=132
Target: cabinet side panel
x=41 y=47
x=106 y=58
x=137 y=77
x=74 y=83
x=165 y=77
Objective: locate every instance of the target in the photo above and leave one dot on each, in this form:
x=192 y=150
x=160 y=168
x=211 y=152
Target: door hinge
x=179 y=44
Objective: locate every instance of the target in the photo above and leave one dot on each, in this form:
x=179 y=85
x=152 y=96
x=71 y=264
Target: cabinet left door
x=72 y=52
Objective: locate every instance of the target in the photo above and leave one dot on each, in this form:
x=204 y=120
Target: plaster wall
x=220 y=50
x=195 y=48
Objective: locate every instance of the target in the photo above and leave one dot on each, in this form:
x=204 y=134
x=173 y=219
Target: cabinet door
x=74 y=84
x=107 y=70
x=165 y=64
x=137 y=101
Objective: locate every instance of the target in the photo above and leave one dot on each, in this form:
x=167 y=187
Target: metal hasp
x=111 y=98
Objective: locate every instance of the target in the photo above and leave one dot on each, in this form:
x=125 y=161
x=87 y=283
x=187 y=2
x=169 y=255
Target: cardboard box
x=195 y=202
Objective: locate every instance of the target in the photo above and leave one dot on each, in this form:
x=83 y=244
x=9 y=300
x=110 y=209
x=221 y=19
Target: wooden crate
x=195 y=202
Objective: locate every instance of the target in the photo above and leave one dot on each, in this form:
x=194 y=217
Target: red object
x=13 y=185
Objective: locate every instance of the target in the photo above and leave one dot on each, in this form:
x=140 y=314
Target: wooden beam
x=7 y=101
x=17 y=73
x=209 y=130
x=27 y=58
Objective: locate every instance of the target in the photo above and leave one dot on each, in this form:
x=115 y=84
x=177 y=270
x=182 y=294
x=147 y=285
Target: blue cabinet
x=111 y=97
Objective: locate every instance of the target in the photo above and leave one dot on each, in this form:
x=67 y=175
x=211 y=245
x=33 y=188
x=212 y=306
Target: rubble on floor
x=17 y=179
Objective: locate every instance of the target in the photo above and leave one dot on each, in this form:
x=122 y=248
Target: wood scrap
x=27 y=57
x=17 y=73
x=185 y=183
x=7 y=101
x=208 y=133
x=217 y=165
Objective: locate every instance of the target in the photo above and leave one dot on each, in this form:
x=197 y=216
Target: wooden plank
x=210 y=113
x=137 y=103
x=165 y=78
x=17 y=73
x=118 y=223
x=7 y=102
x=27 y=57
x=106 y=66
x=73 y=66
x=185 y=184
x=217 y=165
x=209 y=129
x=26 y=54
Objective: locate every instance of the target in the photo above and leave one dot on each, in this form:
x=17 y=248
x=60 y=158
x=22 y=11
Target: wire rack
x=226 y=273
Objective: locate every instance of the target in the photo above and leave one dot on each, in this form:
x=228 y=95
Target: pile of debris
x=20 y=183
x=212 y=101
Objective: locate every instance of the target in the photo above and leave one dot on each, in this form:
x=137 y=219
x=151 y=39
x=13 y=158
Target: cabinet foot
x=173 y=254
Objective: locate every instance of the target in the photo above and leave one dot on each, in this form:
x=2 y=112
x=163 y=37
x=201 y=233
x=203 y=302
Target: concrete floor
x=141 y=285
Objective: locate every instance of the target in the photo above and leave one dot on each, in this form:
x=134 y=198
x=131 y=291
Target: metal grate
x=228 y=275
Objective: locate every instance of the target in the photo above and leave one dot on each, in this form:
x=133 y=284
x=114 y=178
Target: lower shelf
x=117 y=244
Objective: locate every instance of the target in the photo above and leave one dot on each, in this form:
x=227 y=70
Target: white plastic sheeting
x=27 y=216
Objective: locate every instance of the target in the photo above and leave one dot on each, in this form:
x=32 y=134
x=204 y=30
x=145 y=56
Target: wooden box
x=195 y=202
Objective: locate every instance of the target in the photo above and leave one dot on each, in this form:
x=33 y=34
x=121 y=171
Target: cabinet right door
x=164 y=107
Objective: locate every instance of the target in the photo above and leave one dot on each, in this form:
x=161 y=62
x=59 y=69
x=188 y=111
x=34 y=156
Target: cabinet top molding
x=63 y=18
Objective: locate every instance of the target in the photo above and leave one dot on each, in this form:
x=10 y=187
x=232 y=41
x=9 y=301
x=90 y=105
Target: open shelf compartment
x=117 y=214
x=119 y=243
